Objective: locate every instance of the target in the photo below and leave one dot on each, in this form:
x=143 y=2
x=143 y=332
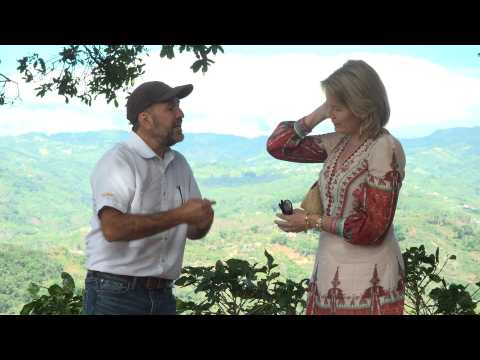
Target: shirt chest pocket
x=156 y=198
x=152 y=198
x=178 y=198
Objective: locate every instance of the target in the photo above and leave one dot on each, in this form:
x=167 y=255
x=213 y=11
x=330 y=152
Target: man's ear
x=145 y=120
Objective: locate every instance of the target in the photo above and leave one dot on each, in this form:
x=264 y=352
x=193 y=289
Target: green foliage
x=19 y=267
x=454 y=299
x=464 y=231
x=59 y=300
x=201 y=52
x=279 y=239
x=235 y=287
x=422 y=273
x=87 y=71
x=399 y=233
x=4 y=81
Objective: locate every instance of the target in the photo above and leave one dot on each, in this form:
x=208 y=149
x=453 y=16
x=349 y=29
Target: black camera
x=286 y=207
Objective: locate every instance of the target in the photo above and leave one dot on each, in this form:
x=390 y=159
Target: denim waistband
x=146 y=282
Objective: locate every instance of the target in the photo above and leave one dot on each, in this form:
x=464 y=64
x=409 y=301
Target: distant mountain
x=196 y=147
x=447 y=138
x=218 y=148
x=58 y=166
x=208 y=147
x=49 y=175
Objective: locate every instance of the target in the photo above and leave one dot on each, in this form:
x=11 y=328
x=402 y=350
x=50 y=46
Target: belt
x=146 y=282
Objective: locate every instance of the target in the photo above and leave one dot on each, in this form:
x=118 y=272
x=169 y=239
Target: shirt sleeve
x=290 y=142
x=113 y=183
x=377 y=199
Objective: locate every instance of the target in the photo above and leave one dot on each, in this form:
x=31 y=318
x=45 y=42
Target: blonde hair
x=358 y=86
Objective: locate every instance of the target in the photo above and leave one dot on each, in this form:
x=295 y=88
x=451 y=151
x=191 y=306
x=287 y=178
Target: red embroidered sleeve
x=369 y=225
x=286 y=144
x=376 y=204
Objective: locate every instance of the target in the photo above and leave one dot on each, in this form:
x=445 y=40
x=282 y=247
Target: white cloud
x=15 y=121
x=248 y=95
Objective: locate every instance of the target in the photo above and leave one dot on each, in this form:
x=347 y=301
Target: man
x=146 y=202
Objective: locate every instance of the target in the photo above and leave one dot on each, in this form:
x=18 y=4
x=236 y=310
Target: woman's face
x=343 y=119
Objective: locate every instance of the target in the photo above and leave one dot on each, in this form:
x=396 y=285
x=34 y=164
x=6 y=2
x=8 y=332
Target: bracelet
x=307 y=223
x=319 y=223
x=305 y=127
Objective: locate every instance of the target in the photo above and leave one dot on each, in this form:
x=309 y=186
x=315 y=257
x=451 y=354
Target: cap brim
x=183 y=90
x=178 y=92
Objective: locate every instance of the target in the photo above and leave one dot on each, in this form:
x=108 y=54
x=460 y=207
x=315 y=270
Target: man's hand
x=292 y=223
x=197 y=212
x=204 y=220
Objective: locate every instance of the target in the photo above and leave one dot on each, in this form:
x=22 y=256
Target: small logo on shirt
x=107 y=194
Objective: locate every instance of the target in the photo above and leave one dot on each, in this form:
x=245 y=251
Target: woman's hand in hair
x=317 y=116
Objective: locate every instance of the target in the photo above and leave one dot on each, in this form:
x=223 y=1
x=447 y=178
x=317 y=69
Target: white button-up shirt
x=134 y=180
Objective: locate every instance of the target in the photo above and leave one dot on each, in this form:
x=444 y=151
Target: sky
x=251 y=88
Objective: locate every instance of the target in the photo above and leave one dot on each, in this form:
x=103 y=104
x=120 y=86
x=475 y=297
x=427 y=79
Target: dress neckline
x=340 y=152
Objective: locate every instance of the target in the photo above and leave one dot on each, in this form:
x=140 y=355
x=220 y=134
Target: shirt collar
x=142 y=149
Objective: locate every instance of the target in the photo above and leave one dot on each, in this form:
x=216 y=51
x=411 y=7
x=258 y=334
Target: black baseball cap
x=150 y=93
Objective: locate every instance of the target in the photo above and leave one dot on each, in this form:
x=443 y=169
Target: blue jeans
x=111 y=296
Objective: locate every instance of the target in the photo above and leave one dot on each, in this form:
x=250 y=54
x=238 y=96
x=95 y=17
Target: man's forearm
x=127 y=227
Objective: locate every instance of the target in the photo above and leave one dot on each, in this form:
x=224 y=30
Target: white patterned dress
x=358 y=267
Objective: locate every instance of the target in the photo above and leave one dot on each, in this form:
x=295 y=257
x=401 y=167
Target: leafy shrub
x=422 y=273
x=60 y=300
x=238 y=288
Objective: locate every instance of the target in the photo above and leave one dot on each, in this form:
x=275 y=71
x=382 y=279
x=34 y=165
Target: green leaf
x=167 y=50
x=27 y=309
x=269 y=259
x=33 y=289
x=196 y=65
x=273 y=276
x=219 y=266
x=215 y=48
x=237 y=263
x=68 y=282
x=42 y=64
x=181 y=281
x=55 y=290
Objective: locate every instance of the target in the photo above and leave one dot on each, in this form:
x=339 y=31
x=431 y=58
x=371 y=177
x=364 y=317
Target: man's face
x=166 y=121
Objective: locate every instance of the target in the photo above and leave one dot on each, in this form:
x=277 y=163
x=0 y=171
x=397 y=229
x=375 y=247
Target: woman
x=358 y=267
